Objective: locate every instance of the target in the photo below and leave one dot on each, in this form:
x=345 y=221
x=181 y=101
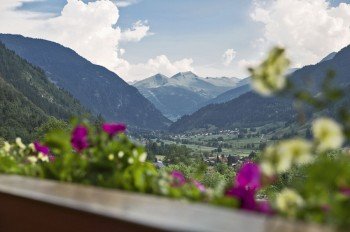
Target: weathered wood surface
x=38 y=205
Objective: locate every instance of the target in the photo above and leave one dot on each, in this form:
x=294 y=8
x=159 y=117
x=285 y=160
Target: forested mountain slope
x=28 y=98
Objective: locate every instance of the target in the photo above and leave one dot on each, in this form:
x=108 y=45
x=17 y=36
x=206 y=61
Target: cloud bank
x=309 y=29
x=91 y=29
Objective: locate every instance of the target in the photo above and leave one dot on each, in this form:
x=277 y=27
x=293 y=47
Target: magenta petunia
x=113 y=128
x=179 y=178
x=247 y=183
x=245 y=196
x=264 y=207
x=249 y=177
x=199 y=186
x=41 y=148
x=79 y=139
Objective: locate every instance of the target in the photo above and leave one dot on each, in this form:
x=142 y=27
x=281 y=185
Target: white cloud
x=309 y=29
x=138 y=31
x=245 y=64
x=228 y=56
x=125 y=3
x=91 y=30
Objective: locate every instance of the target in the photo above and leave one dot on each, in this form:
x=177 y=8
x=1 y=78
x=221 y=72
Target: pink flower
x=247 y=183
x=245 y=196
x=345 y=191
x=264 y=207
x=199 y=186
x=79 y=139
x=41 y=148
x=179 y=178
x=113 y=128
x=249 y=177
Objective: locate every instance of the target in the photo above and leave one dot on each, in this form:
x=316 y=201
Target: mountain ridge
x=251 y=109
x=182 y=93
x=97 y=88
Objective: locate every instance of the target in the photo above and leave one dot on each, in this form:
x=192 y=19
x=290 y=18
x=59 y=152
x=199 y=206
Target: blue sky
x=195 y=34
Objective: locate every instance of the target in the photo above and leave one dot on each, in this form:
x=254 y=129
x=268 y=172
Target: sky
x=212 y=38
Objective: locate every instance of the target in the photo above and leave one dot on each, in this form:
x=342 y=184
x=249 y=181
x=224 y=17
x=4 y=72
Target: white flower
x=143 y=157
x=269 y=76
x=32 y=147
x=43 y=157
x=267 y=87
x=20 y=144
x=300 y=150
x=288 y=201
x=328 y=134
x=121 y=154
x=111 y=157
x=131 y=160
x=7 y=147
x=135 y=153
x=32 y=159
x=275 y=161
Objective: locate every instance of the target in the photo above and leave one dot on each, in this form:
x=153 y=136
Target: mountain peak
x=185 y=74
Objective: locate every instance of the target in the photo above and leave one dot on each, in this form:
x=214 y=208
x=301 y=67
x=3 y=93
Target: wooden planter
x=28 y=204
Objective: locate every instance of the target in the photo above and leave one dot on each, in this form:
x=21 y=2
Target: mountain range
x=98 y=89
x=251 y=109
x=185 y=92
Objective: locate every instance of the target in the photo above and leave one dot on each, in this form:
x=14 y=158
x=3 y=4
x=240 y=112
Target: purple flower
x=41 y=148
x=80 y=138
x=247 y=200
x=179 y=178
x=247 y=183
x=114 y=128
x=345 y=191
x=199 y=186
x=264 y=207
x=245 y=196
x=249 y=177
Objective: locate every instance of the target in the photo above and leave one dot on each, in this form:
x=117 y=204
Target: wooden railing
x=38 y=205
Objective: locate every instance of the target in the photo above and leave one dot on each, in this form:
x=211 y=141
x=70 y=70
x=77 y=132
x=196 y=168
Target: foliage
x=312 y=177
x=101 y=156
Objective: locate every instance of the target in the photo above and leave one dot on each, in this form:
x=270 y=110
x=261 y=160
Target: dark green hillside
x=18 y=116
x=248 y=110
x=33 y=84
x=28 y=98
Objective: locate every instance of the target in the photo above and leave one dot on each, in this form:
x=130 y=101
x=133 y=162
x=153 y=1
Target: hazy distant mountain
x=28 y=98
x=183 y=93
x=251 y=109
x=98 y=89
x=223 y=81
x=230 y=94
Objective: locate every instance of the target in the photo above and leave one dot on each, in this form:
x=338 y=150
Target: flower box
x=28 y=204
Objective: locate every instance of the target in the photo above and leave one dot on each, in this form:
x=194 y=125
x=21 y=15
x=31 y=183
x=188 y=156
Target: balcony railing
x=38 y=205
